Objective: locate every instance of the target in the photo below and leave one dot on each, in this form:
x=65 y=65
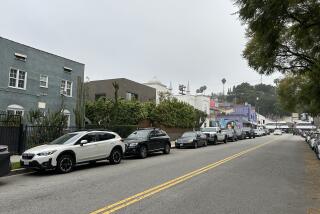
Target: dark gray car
x=192 y=139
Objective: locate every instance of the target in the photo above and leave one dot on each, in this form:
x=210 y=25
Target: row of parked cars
x=313 y=139
x=69 y=150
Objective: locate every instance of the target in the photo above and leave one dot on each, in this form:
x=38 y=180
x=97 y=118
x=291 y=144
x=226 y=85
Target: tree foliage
x=284 y=36
x=170 y=113
x=263 y=97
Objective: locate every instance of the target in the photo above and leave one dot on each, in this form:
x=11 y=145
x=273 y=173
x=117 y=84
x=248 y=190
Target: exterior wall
x=160 y=88
x=105 y=87
x=37 y=62
x=248 y=111
x=200 y=102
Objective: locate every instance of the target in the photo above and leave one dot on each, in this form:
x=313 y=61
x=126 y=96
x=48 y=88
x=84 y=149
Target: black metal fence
x=19 y=137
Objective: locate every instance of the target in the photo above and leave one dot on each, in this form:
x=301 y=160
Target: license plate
x=26 y=163
x=181 y=144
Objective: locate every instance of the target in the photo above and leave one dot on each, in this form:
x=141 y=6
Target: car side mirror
x=82 y=142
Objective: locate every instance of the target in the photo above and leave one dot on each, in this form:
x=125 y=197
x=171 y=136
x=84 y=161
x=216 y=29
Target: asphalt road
x=271 y=174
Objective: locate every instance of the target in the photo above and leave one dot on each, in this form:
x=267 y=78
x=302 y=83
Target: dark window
x=89 y=137
x=106 y=136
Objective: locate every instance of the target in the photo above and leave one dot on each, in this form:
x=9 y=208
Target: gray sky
x=174 y=40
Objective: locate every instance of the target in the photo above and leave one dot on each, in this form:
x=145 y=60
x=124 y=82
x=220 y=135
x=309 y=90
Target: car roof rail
x=148 y=128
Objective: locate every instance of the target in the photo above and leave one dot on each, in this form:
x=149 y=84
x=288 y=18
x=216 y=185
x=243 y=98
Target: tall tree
x=284 y=36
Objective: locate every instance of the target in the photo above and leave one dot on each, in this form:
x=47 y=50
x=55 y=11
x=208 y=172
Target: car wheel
x=143 y=152
x=215 y=141
x=115 y=156
x=92 y=162
x=167 y=149
x=225 y=139
x=177 y=147
x=195 y=145
x=65 y=164
x=205 y=143
x=318 y=155
x=233 y=139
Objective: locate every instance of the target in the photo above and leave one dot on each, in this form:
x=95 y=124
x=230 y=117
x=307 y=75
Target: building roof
x=115 y=79
x=40 y=50
x=155 y=81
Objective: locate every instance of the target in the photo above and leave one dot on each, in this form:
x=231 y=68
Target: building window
x=17 y=78
x=131 y=96
x=43 y=81
x=66 y=88
x=15 y=110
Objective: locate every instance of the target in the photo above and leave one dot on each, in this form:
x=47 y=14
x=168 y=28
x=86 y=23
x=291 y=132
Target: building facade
x=198 y=101
x=33 y=79
x=160 y=88
x=248 y=111
x=128 y=90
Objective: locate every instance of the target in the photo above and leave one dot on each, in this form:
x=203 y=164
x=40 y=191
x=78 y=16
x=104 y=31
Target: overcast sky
x=174 y=40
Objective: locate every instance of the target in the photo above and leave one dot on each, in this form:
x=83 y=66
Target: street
x=271 y=174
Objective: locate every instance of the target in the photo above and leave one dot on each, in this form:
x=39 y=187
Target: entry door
x=88 y=151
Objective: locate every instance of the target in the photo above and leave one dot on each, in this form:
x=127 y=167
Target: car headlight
x=46 y=153
x=133 y=144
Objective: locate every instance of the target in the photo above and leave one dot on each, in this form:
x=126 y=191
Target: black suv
x=144 y=141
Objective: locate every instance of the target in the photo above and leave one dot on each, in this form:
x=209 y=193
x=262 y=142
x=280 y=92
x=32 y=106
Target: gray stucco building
x=34 y=79
x=128 y=90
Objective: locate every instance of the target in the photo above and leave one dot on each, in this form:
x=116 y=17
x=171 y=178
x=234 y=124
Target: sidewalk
x=15 y=158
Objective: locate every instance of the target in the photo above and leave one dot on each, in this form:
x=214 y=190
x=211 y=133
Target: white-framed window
x=15 y=109
x=17 y=78
x=44 y=81
x=66 y=88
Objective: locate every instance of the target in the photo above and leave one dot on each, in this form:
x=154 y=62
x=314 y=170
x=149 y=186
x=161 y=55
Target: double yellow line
x=149 y=192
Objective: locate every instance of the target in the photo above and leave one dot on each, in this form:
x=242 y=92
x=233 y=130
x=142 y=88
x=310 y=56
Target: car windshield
x=210 y=129
x=139 y=134
x=63 y=139
x=189 y=134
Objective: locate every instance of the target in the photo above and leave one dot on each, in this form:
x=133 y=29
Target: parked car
x=145 y=141
x=317 y=148
x=277 y=132
x=238 y=133
x=192 y=139
x=231 y=135
x=248 y=132
x=258 y=132
x=313 y=139
x=214 y=135
x=267 y=131
x=5 y=164
x=65 y=152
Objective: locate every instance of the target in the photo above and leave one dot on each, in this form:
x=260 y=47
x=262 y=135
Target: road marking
x=149 y=192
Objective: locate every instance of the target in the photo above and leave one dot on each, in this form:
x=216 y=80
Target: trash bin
x=5 y=165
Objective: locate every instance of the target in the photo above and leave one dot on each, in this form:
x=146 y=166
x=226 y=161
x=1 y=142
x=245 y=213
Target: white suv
x=70 y=149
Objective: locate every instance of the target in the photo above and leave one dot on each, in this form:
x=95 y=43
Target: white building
x=198 y=101
x=160 y=88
